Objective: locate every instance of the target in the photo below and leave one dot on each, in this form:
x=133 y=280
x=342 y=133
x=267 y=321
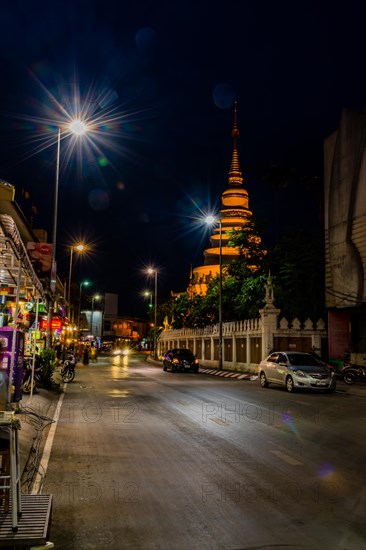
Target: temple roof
x=235 y=173
x=234 y=214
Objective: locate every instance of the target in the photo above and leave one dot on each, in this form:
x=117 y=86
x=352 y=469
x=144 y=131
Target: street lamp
x=77 y=127
x=83 y=283
x=152 y=271
x=148 y=294
x=96 y=297
x=78 y=248
x=211 y=220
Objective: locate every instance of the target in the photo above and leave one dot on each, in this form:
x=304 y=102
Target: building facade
x=345 y=236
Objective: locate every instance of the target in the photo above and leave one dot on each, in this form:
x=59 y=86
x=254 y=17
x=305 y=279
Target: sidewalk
x=36 y=416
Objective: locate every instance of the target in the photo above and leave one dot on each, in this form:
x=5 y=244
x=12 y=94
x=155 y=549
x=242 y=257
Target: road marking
x=43 y=465
x=287 y=458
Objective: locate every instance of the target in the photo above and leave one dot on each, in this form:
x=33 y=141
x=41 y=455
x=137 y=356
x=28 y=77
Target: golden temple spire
x=235 y=131
x=234 y=214
x=235 y=173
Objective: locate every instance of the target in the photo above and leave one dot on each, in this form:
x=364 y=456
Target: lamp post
x=78 y=128
x=83 y=283
x=79 y=248
x=152 y=271
x=96 y=297
x=148 y=294
x=211 y=220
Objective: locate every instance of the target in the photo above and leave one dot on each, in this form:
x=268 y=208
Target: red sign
x=55 y=323
x=41 y=257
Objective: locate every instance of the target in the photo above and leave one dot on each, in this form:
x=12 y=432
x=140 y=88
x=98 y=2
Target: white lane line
x=287 y=458
x=42 y=467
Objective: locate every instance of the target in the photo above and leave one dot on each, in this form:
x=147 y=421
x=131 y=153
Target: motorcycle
x=68 y=369
x=353 y=373
x=29 y=385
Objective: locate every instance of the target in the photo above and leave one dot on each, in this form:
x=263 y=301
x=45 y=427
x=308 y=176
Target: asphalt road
x=143 y=459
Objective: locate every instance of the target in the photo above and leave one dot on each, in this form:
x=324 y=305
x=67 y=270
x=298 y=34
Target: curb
x=356 y=390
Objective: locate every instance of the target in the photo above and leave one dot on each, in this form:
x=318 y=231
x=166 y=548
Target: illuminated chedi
x=234 y=214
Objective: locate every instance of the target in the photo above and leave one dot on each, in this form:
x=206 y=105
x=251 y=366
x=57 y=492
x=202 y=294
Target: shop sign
x=55 y=324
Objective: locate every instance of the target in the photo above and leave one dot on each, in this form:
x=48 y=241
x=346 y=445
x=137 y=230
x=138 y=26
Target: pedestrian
x=93 y=354
x=86 y=356
x=80 y=353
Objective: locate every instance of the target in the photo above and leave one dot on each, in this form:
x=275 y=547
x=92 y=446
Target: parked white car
x=296 y=370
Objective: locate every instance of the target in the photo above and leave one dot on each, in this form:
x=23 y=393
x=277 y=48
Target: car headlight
x=176 y=361
x=125 y=352
x=196 y=361
x=300 y=373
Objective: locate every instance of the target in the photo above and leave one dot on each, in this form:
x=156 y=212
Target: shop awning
x=14 y=256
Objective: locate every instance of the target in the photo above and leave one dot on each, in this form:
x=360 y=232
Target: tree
x=252 y=256
x=298 y=268
x=243 y=286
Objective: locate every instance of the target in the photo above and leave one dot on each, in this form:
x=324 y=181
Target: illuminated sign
x=55 y=324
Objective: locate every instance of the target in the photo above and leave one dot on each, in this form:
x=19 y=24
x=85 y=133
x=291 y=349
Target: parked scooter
x=353 y=373
x=68 y=369
x=27 y=383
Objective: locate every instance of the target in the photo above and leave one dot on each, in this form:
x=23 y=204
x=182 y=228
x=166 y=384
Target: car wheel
x=290 y=384
x=164 y=366
x=263 y=380
x=196 y=370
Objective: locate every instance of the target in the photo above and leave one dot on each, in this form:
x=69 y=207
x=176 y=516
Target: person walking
x=86 y=356
x=93 y=354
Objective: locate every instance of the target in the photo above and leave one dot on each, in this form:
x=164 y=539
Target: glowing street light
x=148 y=294
x=78 y=128
x=211 y=220
x=80 y=248
x=153 y=271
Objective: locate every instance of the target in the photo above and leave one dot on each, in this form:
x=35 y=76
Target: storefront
x=22 y=299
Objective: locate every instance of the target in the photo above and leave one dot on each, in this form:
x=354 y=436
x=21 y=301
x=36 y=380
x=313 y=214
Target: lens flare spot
x=98 y=199
x=103 y=162
x=223 y=96
x=120 y=186
x=145 y=39
x=325 y=470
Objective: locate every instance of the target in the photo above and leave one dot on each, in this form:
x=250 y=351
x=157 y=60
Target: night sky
x=158 y=81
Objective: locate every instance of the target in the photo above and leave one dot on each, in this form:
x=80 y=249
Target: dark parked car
x=180 y=359
x=296 y=370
